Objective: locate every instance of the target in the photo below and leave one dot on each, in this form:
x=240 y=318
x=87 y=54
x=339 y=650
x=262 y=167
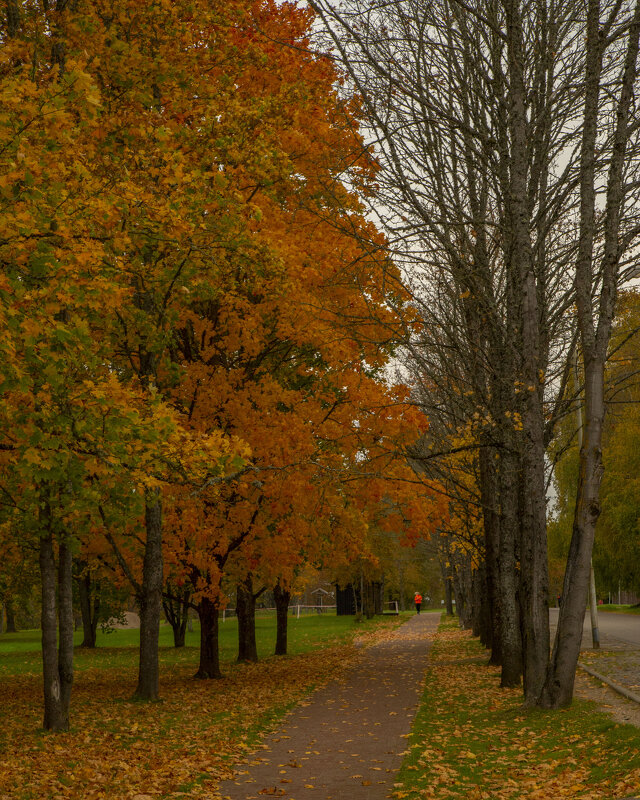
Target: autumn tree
x=289 y=355
x=94 y=249
x=196 y=313
x=56 y=421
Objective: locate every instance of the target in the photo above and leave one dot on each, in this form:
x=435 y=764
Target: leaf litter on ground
x=179 y=747
x=472 y=740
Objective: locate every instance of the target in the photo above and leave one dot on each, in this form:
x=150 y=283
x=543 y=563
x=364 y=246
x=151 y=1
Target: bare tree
x=611 y=77
x=479 y=113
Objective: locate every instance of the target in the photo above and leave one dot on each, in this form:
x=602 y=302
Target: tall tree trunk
x=510 y=641
x=369 y=600
x=209 y=666
x=378 y=598
x=462 y=590
x=65 y=621
x=476 y=602
x=246 y=609
x=448 y=585
x=533 y=554
x=448 y=591
x=489 y=496
x=57 y=664
x=486 y=623
x=460 y=602
x=11 y=619
x=89 y=614
x=558 y=688
x=534 y=589
x=282 y=597
x=150 y=600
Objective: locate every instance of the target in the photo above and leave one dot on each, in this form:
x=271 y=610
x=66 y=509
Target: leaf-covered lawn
x=475 y=741
x=178 y=747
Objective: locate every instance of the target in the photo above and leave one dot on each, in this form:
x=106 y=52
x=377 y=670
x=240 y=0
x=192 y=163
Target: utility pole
x=593 y=602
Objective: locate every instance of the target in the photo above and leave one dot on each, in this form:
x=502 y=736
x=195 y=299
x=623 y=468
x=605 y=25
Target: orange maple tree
x=289 y=355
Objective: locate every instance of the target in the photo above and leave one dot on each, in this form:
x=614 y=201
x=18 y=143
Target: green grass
x=620 y=609
x=20 y=652
x=472 y=740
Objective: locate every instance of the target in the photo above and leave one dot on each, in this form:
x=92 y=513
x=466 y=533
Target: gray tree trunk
x=511 y=641
x=150 y=600
x=491 y=520
x=57 y=612
x=533 y=553
x=209 y=666
x=282 y=597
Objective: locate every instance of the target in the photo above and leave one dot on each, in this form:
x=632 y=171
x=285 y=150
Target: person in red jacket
x=418 y=601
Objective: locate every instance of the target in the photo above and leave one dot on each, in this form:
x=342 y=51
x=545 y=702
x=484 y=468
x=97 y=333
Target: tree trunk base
x=204 y=675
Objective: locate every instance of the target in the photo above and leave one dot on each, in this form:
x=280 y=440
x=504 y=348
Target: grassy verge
x=475 y=741
x=179 y=747
x=620 y=609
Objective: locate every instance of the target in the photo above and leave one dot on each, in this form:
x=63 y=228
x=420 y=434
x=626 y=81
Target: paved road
x=617 y=631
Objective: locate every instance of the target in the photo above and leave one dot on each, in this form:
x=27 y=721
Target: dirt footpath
x=346 y=742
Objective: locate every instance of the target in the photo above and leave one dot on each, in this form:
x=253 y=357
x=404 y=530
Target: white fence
x=296 y=610
x=299 y=609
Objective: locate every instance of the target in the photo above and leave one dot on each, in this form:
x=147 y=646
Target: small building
x=321 y=598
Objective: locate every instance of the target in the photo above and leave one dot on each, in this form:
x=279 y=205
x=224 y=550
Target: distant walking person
x=418 y=601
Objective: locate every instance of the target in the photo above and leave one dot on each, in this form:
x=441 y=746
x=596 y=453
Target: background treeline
x=617 y=544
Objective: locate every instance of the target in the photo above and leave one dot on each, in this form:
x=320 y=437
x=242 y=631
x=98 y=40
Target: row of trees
x=196 y=315
x=615 y=555
x=508 y=140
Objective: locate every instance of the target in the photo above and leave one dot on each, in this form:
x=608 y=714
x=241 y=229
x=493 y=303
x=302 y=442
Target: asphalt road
x=620 y=629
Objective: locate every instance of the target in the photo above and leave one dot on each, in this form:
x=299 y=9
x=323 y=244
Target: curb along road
x=615 y=686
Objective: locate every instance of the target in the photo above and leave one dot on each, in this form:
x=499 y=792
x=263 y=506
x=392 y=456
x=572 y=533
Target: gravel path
x=347 y=740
